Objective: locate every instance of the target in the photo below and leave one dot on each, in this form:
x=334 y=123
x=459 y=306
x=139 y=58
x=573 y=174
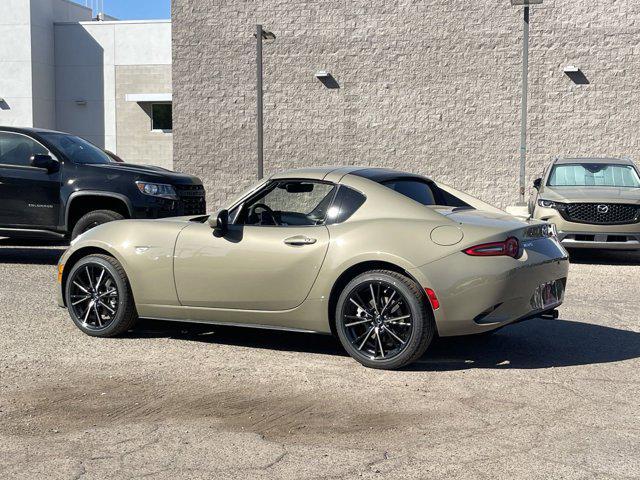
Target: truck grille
x=192 y=199
x=601 y=213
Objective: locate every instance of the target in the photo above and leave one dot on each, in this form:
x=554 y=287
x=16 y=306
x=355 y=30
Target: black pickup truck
x=57 y=185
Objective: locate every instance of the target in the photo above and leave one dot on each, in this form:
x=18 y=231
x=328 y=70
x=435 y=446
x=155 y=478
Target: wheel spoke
x=95 y=309
x=111 y=311
x=86 y=314
x=80 y=287
x=107 y=293
x=366 y=338
x=89 y=276
x=390 y=332
x=391 y=320
x=99 y=279
x=83 y=299
x=373 y=298
x=357 y=305
x=384 y=309
x=360 y=322
x=379 y=342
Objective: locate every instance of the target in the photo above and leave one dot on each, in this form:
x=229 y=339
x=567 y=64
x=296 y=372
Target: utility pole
x=260 y=35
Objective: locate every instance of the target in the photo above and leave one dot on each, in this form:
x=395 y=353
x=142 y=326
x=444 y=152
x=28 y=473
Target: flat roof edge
x=113 y=22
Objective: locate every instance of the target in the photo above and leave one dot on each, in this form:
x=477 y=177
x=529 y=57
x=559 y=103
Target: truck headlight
x=160 y=190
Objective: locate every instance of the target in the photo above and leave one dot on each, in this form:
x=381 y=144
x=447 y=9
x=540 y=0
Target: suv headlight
x=160 y=190
x=548 y=204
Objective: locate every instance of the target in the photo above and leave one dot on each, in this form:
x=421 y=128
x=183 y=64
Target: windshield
x=77 y=149
x=594 y=175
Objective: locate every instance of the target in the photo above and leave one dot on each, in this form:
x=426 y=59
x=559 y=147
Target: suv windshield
x=594 y=175
x=77 y=149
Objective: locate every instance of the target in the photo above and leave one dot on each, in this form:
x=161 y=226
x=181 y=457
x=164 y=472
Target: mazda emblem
x=603 y=208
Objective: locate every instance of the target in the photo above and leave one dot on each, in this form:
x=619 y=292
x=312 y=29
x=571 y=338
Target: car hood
x=591 y=194
x=148 y=171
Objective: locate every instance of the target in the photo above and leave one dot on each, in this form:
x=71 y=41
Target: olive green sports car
x=383 y=259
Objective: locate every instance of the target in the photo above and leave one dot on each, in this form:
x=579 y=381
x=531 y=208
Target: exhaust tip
x=550 y=314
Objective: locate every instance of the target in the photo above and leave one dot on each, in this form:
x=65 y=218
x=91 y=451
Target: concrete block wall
x=429 y=86
x=135 y=139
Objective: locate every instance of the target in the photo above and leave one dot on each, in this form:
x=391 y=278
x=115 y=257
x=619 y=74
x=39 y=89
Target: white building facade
x=106 y=81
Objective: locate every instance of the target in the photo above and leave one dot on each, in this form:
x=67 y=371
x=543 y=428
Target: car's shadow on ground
x=533 y=344
x=39 y=252
x=604 y=257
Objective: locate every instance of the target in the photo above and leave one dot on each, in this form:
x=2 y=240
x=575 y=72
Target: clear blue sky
x=133 y=9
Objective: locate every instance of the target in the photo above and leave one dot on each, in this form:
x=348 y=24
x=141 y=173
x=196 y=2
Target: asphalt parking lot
x=541 y=399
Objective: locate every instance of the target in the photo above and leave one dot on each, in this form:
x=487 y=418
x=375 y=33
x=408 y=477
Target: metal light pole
x=525 y=90
x=260 y=35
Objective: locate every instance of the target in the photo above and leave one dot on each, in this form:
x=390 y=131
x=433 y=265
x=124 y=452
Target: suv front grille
x=191 y=199
x=601 y=213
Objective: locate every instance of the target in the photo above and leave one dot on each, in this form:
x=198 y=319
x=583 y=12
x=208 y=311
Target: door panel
x=29 y=197
x=251 y=268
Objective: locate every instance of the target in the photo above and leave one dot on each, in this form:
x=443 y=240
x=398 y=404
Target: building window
x=161 y=117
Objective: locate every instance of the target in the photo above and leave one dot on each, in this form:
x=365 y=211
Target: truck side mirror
x=220 y=223
x=537 y=183
x=44 y=161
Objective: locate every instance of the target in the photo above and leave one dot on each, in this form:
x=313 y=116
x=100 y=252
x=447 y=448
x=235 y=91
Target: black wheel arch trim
x=95 y=193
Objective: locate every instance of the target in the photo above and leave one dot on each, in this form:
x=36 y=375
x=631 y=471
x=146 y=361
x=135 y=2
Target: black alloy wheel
x=382 y=320
x=99 y=298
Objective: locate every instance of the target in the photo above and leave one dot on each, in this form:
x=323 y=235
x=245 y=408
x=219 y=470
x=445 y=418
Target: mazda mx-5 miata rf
x=383 y=259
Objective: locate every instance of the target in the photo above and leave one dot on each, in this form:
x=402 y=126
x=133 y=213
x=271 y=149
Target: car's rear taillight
x=509 y=248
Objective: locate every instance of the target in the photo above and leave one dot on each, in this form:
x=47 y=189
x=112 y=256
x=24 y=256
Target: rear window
x=414 y=189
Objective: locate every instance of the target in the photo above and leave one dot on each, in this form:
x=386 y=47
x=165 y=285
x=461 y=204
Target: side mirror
x=537 y=183
x=220 y=224
x=44 y=161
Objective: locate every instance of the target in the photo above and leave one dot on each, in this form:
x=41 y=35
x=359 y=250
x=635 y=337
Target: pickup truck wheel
x=93 y=219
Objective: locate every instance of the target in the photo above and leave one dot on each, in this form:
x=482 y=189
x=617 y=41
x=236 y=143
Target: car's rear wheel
x=93 y=219
x=382 y=320
x=99 y=298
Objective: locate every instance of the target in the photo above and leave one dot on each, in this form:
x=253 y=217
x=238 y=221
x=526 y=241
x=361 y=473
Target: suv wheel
x=382 y=320
x=99 y=297
x=93 y=219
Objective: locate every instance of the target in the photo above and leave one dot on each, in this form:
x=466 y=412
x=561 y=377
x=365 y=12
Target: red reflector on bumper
x=435 y=303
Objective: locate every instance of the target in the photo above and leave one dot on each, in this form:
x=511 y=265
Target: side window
x=346 y=203
x=288 y=203
x=16 y=149
x=445 y=198
x=414 y=189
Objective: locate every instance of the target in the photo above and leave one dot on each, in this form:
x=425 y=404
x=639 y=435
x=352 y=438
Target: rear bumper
x=481 y=294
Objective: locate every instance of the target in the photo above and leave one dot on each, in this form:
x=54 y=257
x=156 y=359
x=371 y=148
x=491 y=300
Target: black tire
x=92 y=322
x=412 y=306
x=93 y=219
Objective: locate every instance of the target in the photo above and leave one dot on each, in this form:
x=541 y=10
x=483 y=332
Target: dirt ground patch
x=541 y=399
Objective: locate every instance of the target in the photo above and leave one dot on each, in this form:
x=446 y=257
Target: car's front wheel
x=99 y=298
x=382 y=320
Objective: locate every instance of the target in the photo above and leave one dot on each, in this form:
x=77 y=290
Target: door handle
x=300 y=240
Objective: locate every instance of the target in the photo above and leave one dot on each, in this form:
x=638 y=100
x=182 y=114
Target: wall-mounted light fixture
x=81 y=103
x=576 y=75
x=327 y=79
